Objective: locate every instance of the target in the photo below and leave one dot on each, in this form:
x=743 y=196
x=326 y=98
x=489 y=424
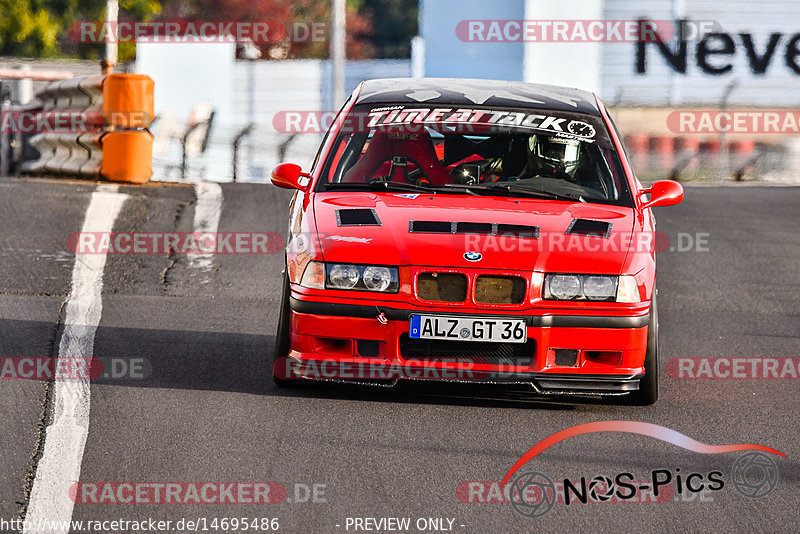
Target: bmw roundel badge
x=472 y=256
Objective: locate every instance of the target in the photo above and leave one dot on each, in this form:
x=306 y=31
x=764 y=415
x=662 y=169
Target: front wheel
x=648 y=385
x=282 y=335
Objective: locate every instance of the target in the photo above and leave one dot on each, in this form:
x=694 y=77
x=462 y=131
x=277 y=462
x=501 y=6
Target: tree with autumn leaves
x=375 y=28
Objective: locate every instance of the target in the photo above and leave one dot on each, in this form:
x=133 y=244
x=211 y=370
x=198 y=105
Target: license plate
x=468 y=329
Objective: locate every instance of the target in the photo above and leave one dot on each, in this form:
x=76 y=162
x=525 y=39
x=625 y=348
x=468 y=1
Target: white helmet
x=557 y=151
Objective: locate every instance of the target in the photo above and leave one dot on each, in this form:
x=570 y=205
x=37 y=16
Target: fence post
x=208 y=123
x=236 y=142
x=5 y=144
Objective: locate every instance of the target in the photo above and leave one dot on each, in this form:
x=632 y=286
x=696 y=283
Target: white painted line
x=206 y=218
x=65 y=438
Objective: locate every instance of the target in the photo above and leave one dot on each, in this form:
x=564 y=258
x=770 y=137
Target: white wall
x=188 y=73
x=569 y=64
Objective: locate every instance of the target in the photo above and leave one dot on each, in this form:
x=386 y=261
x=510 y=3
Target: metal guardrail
x=108 y=136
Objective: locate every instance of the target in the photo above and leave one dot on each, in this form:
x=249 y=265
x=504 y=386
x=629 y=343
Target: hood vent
x=445 y=227
x=430 y=227
x=357 y=217
x=518 y=230
x=474 y=228
x=589 y=227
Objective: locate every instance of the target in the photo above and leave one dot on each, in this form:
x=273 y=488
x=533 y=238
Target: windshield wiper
x=537 y=193
x=378 y=186
x=456 y=188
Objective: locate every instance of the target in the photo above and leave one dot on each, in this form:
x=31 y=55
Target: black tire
x=282 y=337
x=648 y=385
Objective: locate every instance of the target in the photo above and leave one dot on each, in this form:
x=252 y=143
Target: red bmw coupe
x=472 y=230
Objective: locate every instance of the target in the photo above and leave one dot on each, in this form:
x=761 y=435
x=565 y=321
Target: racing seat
x=387 y=146
x=516 y=158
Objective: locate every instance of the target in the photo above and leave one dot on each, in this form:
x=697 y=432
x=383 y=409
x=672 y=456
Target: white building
x=748 y=48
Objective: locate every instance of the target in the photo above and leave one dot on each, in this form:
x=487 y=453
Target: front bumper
x=358 y=343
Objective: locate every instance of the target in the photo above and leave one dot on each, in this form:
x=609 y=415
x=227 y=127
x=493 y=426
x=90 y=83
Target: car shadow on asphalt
x=241 y=363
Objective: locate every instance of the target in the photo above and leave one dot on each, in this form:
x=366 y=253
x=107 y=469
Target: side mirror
x=290 y=176
x=663 y=193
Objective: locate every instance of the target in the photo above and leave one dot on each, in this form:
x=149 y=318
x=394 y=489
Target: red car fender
x=301 y=247
x=641 y=261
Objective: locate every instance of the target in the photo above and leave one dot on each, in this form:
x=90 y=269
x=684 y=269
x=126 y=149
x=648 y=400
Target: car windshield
x=529 y=153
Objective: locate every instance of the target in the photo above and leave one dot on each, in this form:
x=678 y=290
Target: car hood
x=392 y=242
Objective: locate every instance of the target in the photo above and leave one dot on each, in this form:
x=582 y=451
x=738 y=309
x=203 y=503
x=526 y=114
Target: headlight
x=599 y=287
x=362 y=277
x=342 y=276
x=377 y=278
x=562 y=287
x=592 y=287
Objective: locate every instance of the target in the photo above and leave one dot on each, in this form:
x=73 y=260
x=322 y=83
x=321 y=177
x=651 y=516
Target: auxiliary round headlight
x=343 y=276
x=377 y=278
x=564 y=286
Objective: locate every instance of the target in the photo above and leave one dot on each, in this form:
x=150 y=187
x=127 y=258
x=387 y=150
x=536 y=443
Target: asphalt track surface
x=206 y=411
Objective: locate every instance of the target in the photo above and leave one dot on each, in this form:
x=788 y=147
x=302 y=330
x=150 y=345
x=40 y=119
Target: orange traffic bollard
x=128 y=100
x=128 y=156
